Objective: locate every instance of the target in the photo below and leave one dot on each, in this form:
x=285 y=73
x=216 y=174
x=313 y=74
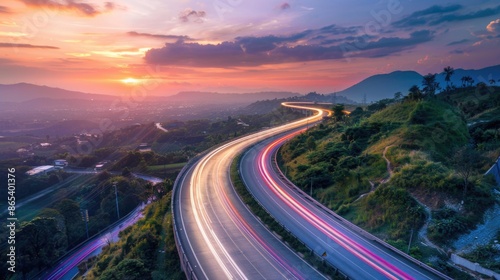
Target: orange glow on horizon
x=130 y=81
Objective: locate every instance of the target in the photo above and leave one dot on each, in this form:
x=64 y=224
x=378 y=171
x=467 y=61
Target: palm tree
x=464 y=81
x=398 y=95
x=430 y=84
x=467 y=80
x=448 y=72
x=414 y=94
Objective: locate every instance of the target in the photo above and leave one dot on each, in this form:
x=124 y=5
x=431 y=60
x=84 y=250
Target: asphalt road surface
x=220 y=237
x=345 y=246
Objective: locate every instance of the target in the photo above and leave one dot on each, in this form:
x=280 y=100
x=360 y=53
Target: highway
x=68 y=267
x=216 y=234
x=340 y=243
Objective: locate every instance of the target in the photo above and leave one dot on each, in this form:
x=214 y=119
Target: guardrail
x=185 y=264
x=352 y=226
x=318 y=254
x=99 y=234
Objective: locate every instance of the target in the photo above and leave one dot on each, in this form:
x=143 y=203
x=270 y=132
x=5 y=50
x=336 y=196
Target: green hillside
x=395 y=165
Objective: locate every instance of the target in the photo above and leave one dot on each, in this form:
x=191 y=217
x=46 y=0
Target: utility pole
x=311 y=186
x=409 y=243
x=116 y=198
x=85 y=218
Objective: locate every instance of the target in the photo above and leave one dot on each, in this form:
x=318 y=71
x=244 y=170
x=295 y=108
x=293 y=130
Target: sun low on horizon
x=247 y=46
x=130 y=81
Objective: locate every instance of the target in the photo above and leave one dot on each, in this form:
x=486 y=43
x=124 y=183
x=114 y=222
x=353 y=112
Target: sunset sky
x=167 y=46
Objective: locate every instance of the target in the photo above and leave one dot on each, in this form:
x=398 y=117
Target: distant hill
x=63 y=128
x=382 y=86
x=480 y=75
x=385 y=85
x=24 y=92
x=213 y=98
x=30 y=94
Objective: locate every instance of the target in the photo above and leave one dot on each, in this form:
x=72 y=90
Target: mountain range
x=29 y=94
x=385 y=85
x=371 y=89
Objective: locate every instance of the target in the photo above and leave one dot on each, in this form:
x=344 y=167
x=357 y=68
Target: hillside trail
x=389 y=165
x=422 y=233
x=383 y=181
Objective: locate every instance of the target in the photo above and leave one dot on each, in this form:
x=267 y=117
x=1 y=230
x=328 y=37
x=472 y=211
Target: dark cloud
x=191 y=15
x=159 y=36
x=387 y=45
x=4 y=10
x=85 y=9
x=415 y=38
x=436 y=9
x=458 y=42
x=423 y=17
x=285 y=6
x=255 y=51
x=457 y=51
x=460 y=17
x=438 y=14
x=339 y=30
x=26 y=46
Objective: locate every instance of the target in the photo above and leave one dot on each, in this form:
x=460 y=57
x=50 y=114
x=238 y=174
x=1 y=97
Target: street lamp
x=116 y=199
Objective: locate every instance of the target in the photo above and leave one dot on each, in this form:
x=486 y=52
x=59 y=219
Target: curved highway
x=216 y=234
x=355 y=252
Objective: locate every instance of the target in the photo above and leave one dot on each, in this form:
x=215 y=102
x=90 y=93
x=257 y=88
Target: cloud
x=299 y=47
x=439 y=14
x=339 y=30
x=490 y=33
x=494 y=26
x=457 y=51
x=285 y=6
x=423 y=60
x=26 y=46
x=415 y=38
x=422 y=17
x=458 y=42
x=188 y=14
x=160 y=36
x=81 y=8
x=4 y=10
x=473 y=15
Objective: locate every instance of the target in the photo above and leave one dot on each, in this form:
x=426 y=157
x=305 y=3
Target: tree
x=492 y=81
x=464 y=161
x=126 y=172
x=311 y=143
x=338 y=112
x=414 y=94
x=430 y=85
x=448 y=72
x=398 y=95
x=467 y=81
x=75 y=227
x=41 y=242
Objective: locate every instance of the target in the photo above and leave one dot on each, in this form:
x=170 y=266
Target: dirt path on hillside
x=383 y=181
x=422 y=233
x=389 y=165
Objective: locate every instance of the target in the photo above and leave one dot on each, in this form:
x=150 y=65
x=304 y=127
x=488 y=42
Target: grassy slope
x=150 y=243
x=347 y=158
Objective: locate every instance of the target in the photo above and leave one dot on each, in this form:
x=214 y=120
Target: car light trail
x=379 y=264
x=196 y=200
x=244 y=226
